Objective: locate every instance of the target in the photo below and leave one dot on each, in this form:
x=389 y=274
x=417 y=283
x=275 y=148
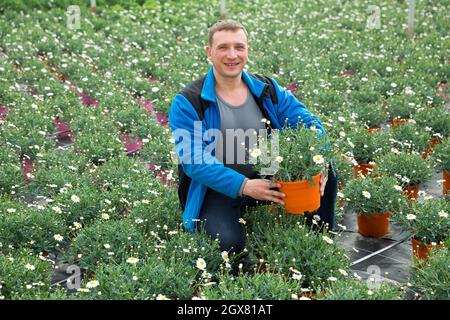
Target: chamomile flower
x=58 y=237
x=30 y=267
x=366 y=194
x=411 y=216
x=75 y=198
x=327 y=239
x=443 y=214
x=256 y=153
x=201 y=263
x=92 y=284
x=132 y=260
x=225 y=256
x=318 y=159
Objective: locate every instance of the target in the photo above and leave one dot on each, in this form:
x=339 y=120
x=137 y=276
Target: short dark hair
x=227 y=24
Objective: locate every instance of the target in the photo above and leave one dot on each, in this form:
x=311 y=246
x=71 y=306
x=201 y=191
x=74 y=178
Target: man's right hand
x=259 y=189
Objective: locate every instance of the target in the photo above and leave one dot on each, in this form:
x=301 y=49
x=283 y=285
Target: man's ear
x=208 y=52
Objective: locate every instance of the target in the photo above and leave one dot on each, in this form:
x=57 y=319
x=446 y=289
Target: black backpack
x=192 y=93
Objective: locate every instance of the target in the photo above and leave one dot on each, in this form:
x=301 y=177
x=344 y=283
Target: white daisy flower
x=318 y=159
x=30 y=267
x=225 y=256
x=132 y=260
x=327 y=239
x=58 y=237
x=75 y=198
x=279 y=159
x=443 y=214
x=366 y=194
x=411 y=216
x=201 y=264
x=256 y=153
x=92 y=284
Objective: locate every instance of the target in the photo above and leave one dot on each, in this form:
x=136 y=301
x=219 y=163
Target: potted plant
x=409 y=169
x=429 y=222
x=301 y=158
x=409 y=137
x=442 y=156
x=355 y=288
x=373 y=115
x=373 y=200
x=401 y=108
x=431 y=278
x=364 y=147
x=436 y=120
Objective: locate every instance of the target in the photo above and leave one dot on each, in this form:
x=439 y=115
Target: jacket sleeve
x=193 y=151
x=293 y=111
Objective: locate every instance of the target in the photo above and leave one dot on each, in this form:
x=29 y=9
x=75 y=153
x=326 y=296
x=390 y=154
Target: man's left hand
x=323 y=183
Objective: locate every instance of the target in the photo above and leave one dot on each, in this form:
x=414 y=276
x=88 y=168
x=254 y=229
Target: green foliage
x=409 y=138
x=10 y=173
x=24 y=276
x=265 y=286
x=302 y=154
x=436 y=120
x=373 y=195
x=21 y=227
x=408 y=169
x=106 y=242
x=428 y=220
x=441 y=154
x=431 y=278
x=364 y=146
x=293 y=250
x=357 y=289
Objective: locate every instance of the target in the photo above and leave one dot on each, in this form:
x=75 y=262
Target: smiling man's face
x=228 y=52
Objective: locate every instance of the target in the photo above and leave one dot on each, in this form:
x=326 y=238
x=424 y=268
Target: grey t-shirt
x=241 y=124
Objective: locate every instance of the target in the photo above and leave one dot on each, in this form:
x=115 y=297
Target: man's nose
x=232 y=53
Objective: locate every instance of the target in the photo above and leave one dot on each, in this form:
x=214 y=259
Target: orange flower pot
x=420 y=249
x=364 y=168
x=398 y=122
x=301 y=197
x=373 y=130
x=412 y=192
x=429 y=148
x=376 y=225
x=446 y=184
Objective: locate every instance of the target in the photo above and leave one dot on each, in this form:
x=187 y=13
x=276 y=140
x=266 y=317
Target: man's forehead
x=229 y=37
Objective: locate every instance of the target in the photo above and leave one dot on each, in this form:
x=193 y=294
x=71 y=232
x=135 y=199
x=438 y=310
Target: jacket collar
x=255 y=86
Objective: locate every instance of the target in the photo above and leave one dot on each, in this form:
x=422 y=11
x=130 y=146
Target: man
x=212 y=189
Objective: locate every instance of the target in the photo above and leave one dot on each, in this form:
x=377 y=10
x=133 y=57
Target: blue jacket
x=205 y=171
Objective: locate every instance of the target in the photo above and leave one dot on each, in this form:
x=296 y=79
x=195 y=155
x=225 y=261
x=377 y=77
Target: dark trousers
x=220 y=215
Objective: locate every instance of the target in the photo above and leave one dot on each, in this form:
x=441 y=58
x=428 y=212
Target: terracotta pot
x=376 y=225
x=373 y=130
x=27 y=169
x=420 y=249
x=363 y=168
x=446 y=184
x=301 y=197
x=398 y=122
x=412 y=192
x=429 y=148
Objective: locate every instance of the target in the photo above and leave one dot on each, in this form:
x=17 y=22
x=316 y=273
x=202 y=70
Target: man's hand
x=323 y=183
x=259 y=189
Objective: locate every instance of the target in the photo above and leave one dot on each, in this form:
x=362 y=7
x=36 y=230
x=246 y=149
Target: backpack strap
x=270 y=88
x=193 y=93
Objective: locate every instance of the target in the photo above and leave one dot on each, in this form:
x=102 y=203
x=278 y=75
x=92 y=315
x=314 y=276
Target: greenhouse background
x=88 y=183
